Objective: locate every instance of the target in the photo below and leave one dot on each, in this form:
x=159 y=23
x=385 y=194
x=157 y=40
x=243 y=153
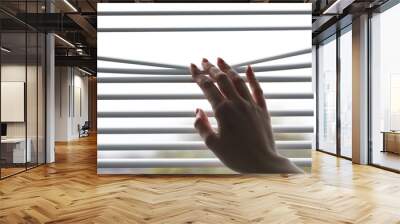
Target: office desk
x=13 y=150
x=391 y=141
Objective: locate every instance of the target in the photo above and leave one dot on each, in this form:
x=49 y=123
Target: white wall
x=16 y=73
x=33 y=126
x=71 y=103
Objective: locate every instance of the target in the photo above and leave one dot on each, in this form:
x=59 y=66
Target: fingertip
x=192 y=67
x=197 y=113
x=198 y=117
x=249 y=69
x=202 y=114
x=222 y=64
x=194 y=70
x=249 y=72
x=205 y=60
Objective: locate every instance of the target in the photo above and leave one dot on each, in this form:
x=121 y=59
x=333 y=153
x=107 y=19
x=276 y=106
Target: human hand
x=244 y=141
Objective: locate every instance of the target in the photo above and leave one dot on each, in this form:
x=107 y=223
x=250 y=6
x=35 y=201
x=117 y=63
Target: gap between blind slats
x=174 y=66
x=189 y=130
x=190 y=146
x=175 y=163
x=171 y=71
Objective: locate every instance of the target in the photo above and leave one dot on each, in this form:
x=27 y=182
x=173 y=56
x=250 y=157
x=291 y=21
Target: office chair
x=84 y=130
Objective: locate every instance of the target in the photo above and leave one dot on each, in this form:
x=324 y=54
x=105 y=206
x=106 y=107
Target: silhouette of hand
x=244 y=141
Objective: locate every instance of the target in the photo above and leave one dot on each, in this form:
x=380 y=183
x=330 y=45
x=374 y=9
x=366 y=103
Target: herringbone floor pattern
x=70 y=191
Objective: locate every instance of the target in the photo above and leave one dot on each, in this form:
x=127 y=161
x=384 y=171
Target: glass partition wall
x=334 y=110
x=22 y=88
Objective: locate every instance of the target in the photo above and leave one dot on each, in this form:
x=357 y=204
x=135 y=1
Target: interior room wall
x=71 y=102
x=92 y=91
x=61 y=103
x=15 y=73
x=80 y=110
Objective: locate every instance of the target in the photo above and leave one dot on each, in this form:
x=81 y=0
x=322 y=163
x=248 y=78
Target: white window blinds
x=147 y=99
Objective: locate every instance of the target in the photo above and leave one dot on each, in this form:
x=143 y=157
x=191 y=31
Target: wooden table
x=391 y=141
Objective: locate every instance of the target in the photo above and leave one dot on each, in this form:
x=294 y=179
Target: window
x=385 y=88
x=146 y=98
x=327 y=95
x=346 y=93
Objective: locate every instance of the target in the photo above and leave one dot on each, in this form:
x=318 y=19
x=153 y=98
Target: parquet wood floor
x=70 y=191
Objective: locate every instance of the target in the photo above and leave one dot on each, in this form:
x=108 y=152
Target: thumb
x=203 y=126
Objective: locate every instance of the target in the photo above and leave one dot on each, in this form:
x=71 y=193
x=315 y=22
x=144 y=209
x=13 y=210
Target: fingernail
x=249 y=68
x=197 y=110
x=205 y=60
x=220 y=60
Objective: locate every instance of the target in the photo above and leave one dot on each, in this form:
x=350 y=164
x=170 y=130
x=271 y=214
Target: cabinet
x=391 y=142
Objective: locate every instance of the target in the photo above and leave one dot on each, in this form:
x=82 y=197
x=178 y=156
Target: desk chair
x=84 y=130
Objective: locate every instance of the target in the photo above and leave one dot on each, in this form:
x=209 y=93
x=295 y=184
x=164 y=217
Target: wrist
x=281 y=164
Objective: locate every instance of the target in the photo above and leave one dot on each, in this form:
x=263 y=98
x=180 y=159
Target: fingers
x=224 y=82
x=211 y=92
x=256 y=88
x=203 y=126
x=239 y=83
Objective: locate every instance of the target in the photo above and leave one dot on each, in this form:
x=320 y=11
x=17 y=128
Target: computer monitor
x=3 y=129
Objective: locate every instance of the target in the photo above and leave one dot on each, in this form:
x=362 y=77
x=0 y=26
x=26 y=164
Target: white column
x=360 y=90
x=50 y=93
x=50 y=99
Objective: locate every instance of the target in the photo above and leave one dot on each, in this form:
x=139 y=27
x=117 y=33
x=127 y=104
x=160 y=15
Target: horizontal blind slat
x=188 y=130
x=275 y=57
x=175 y=163
x=193 y=96
x=204 y=29
x=274 y=113
x=190 y=146
x=139 y=62
x=188 y=79
x=203 y=13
